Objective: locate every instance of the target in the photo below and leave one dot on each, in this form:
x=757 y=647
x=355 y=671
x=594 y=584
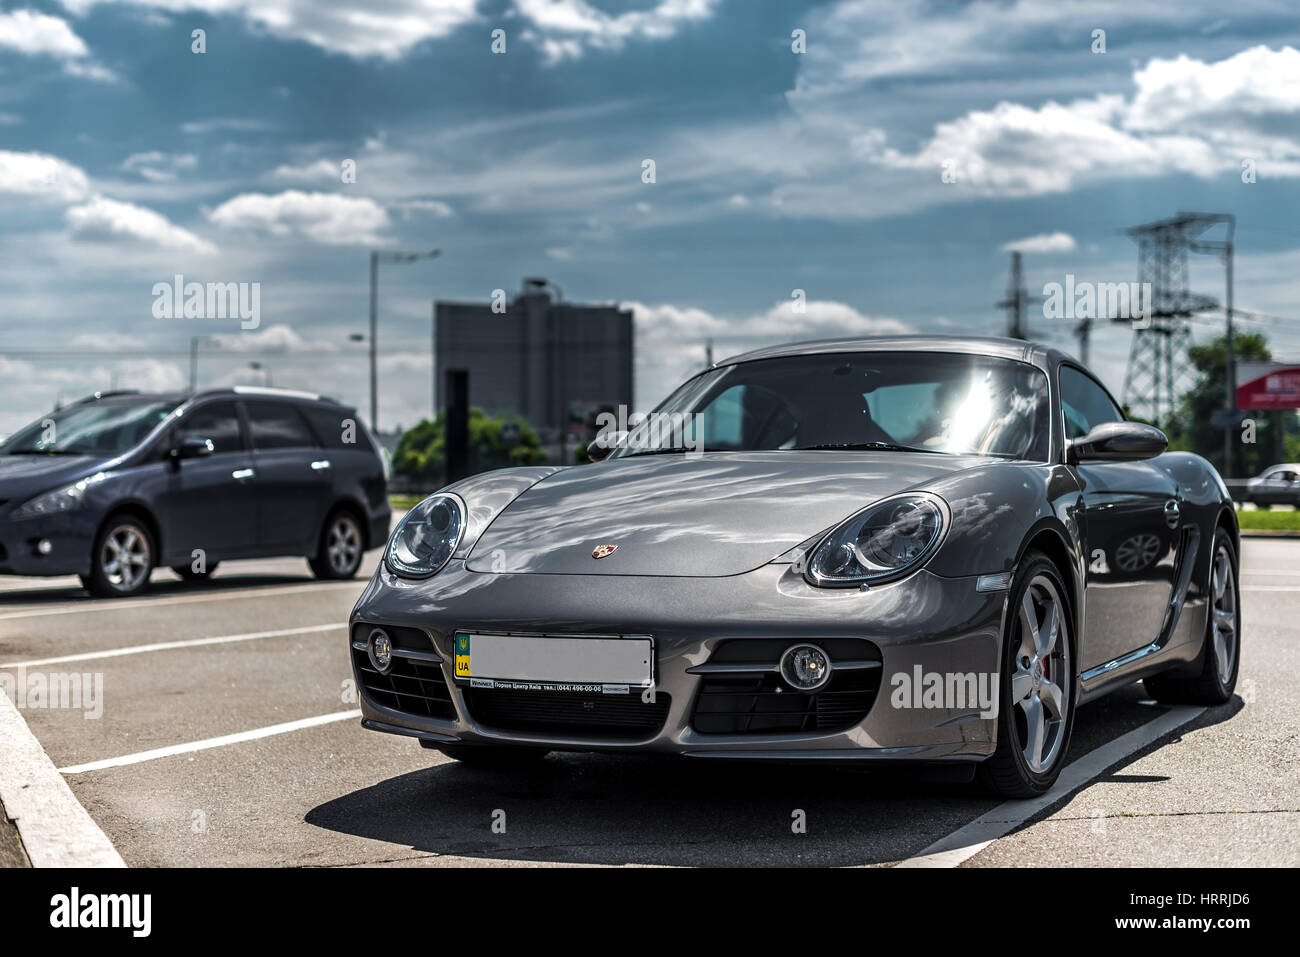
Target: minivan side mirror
x=192 y=448
x=1118 y=442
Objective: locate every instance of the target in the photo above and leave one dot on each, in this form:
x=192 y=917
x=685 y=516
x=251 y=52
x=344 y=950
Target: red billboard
x=1268 y=386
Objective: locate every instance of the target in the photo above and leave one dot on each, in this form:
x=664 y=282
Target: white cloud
x=1175 y=94
x=358 y=28
x=326 y=218
x=433 y=207
x=35 y=34
x=222 y=124
x=564 y=26
x=107 y=220
x=1042 y=243
x=159 y=167
x=38 y=34
x=274 y=338
x=321 y=171
x=41 y=175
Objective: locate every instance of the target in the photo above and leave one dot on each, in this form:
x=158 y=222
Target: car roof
x=1017 y=349
x=1291 y=466
x=178 y=397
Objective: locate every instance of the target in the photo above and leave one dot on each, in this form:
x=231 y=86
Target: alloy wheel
x=1042 y=672
x=343 y=544
x=1223 y=623
x=124 y=557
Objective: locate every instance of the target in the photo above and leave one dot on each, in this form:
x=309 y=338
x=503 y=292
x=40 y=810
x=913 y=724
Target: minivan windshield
x=924 y=402
x=104 y=428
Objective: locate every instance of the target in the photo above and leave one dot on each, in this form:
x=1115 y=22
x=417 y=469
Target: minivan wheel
x=1036 y=703
x=341 y=548
x=122 y=560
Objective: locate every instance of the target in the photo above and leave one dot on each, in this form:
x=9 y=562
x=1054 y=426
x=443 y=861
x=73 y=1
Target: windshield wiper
x=663 y=451
x=867 y=446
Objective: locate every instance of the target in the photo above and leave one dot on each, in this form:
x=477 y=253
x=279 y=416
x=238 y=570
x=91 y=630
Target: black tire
x=341 y=547
x=491 y=757
x=1217 y=680
x=188 y=573
x=1048 y=683
x=122 y=559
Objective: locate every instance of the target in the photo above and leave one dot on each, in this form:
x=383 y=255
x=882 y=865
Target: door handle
x=1172 y=511
x=321 y=464
x=242 y=474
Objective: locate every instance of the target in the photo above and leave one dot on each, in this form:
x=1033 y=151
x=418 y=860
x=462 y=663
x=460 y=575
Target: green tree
x=1192 y=428
x=421 y=452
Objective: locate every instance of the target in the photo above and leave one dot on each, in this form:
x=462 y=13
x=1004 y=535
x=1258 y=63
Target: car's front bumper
x=70 y=536
x=921 y=626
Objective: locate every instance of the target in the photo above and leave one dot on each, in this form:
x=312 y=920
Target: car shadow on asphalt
x=158 y=588
x=625 y=809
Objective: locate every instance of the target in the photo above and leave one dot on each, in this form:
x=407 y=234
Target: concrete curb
x=55 y=829
x=1268 y=533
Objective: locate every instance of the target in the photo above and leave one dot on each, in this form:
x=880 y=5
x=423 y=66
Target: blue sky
x=126 y=158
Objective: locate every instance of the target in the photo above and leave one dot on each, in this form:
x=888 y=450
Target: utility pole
x=708 y=354
x=194 y=363
x=1084 y=331
x=375 y=256
x=1017 y=301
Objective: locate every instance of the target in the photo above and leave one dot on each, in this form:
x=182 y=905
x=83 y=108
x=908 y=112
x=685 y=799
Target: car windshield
x=923 y=402
x=103 y=428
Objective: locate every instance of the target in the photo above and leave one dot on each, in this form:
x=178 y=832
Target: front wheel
x=1035 y=709
x=340 y=550
x=122 y=560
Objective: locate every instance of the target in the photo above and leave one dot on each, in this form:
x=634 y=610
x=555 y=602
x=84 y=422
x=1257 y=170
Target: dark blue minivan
x=119 y=483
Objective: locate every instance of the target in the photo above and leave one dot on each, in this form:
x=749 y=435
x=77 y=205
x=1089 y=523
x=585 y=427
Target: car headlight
x=65 y=499
x=882 y=542
x=426 y=538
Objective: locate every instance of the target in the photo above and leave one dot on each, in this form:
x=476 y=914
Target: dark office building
x=539 y=357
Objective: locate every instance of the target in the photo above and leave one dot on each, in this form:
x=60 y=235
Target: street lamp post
x=375 y=257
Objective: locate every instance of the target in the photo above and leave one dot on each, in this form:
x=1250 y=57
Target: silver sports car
x=888 y=551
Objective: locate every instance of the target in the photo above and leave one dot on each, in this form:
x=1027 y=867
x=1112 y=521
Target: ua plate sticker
x=462 y=656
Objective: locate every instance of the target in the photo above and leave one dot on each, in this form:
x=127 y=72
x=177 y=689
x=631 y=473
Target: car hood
x=718 y=514
x=22 y=476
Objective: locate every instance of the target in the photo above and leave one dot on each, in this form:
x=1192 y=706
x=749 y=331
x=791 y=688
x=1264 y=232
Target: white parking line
x=120 y=604
x=55 y=829
x=1269 y=587
x=965 y=842
x=206 y=743
x=169 y=645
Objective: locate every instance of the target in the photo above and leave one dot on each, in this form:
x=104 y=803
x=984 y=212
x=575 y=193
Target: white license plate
x=555 y=660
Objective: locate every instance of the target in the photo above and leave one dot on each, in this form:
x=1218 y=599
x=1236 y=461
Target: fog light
x=380 y=648
x=805 y=667
x=44 y=546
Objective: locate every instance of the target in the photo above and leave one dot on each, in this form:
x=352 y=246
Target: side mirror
x=1118 y=442
x=605 y=443
x=192 y=448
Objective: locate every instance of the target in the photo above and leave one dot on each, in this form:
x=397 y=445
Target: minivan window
x=103 y=428
x=277 y=425
x=217 y=421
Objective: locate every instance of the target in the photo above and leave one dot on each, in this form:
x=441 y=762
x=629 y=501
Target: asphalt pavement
x=227 y=734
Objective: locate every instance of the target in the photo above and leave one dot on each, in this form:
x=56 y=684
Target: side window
x=1084 y=404
x=337 y=427
x=216 y=421
x=277 y=425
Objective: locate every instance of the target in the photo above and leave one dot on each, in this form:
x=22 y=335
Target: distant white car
x=1277 y=485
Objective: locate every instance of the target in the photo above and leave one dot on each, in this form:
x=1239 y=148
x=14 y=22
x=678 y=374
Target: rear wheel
x=122 y=559
x=341 y=548
x=490 y=757
x=1035 y=712
x=1222 y=649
